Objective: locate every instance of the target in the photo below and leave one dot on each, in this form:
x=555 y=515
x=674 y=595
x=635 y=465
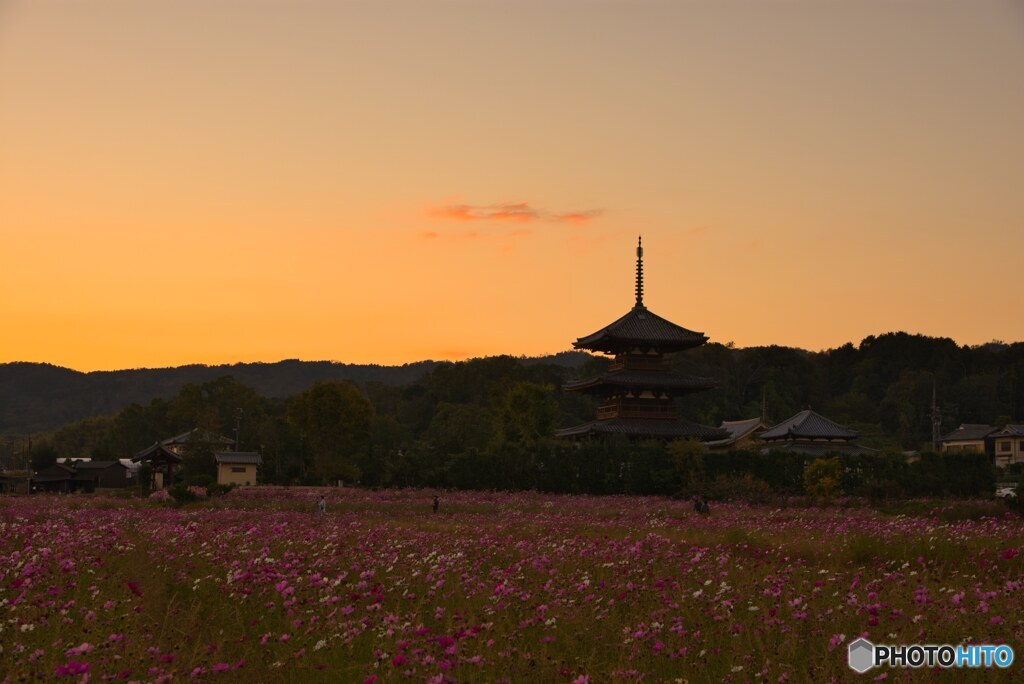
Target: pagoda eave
x=636 y=381
x=613 y=345
x=642 y=428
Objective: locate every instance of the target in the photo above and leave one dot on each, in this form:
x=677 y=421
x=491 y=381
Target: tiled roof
x=968 y=432
x=643 y=379
x=238 y=457
x=96 y=465
x=640 y=427
x=644 y=328
x=1011 y=431
x=809 y=425
x=737 y=429
x=156 y=451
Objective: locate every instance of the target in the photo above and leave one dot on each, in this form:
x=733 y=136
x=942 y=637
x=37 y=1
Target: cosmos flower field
x=253 y=586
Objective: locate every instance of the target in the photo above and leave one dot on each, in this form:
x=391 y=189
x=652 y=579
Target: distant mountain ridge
x=36 y=397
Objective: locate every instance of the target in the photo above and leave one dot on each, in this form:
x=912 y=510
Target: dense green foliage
x=488 y=423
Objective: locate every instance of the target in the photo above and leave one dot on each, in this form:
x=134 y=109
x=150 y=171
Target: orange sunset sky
x=210 y=181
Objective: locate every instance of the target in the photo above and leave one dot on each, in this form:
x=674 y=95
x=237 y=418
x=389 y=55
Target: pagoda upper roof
x=809 y=425
x=643 y=427
x=642 y=379
x=642 y=328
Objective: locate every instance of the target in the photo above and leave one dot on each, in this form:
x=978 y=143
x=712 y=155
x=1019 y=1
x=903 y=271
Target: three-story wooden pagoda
x=636 y=395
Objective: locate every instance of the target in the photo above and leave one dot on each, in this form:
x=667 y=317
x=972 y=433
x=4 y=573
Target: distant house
x=743 y=434
x=1008 y=444
x=237 y=467
x=968 y=437
x=81 y=476
x=106 y=474
x=813 y=434
x=56 y=478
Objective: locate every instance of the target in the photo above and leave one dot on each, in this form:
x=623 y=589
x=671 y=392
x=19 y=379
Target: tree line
x=488 y=423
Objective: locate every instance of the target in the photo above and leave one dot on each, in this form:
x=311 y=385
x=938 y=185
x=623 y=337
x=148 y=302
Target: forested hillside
x=36 y=397
x=441 y=414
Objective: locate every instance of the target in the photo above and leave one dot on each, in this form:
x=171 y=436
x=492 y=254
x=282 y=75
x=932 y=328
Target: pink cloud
x=579 y=216
x=513 y=212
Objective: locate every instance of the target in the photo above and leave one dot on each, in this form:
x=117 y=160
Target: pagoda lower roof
x=641 y=328
x=645 y=427
x=642 y=379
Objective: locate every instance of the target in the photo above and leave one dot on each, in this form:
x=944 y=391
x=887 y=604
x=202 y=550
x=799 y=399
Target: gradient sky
x=210 y=181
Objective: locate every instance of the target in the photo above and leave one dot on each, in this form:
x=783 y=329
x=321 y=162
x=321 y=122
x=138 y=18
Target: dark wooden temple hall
x=636 y=395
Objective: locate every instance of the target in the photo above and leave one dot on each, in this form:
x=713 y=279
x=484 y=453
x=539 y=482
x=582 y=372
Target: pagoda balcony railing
x=655 y=363
x=620 y=409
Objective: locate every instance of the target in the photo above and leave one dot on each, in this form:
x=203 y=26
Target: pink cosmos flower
x=81 y=649
x=71 y=668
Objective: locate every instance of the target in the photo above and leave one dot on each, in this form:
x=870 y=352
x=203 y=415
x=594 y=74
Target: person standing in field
x=437 y=503
x=321 y=506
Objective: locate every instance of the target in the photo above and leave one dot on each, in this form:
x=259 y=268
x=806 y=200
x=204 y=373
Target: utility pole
x=936 y=419
x=28 y=467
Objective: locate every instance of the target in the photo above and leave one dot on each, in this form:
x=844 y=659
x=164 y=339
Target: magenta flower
x=81 y=649
x=72 y=668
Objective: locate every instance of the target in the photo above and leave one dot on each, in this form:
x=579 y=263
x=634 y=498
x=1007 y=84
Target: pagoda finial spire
x=640 y=271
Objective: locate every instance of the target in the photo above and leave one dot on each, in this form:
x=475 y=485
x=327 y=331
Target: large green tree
x=333 y=420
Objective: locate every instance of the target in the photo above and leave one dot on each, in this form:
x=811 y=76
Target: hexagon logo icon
x=861 y=655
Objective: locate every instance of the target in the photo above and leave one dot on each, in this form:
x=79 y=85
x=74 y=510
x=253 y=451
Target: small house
x=968 y=437
x=1009 y=445
x=237 y=467
x=105 y=474
x=62 y=477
